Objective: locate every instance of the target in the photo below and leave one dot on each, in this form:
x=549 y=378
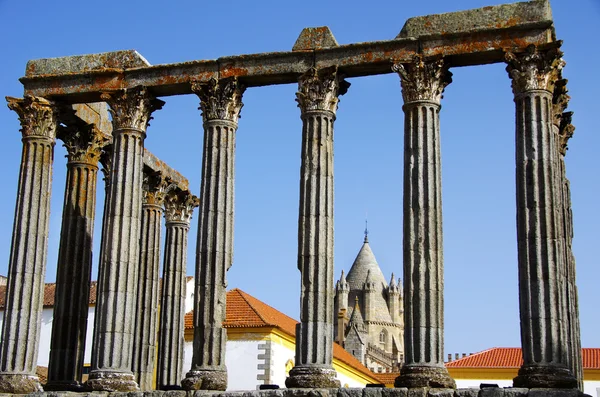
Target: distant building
x=260 y=347
x=499 y=366
x=369 y=313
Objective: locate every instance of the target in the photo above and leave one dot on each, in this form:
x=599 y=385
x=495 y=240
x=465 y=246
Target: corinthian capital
x=131 y=108
x=38 y=116
x=155 y=187
x=84 y=142
x=565 y=131
x=179 y=206
x=220 y=99
x=560 y=101
x=534 y=69
x=319 y=90
x=423 y=80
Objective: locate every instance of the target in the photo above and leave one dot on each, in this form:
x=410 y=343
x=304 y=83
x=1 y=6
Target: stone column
x=423 y=83
x=317 y=99
x=146 y=313
x=564 y=130
x=84 y=144
x=541 y=255
x=220 y=102
x=178 y=213
x=117 y=274
x=27 y=264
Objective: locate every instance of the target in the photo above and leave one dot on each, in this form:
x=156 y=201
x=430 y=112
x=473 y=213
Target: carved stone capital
x=560 y=100
x=423 y=80
x=179 y=206
x=534 y=69
x=155 y=188
x=38 y=116
x=565 y=131
x=320 y=89
x=220 y=99
x=106 y=161
x=132 y=108
x=84 y=142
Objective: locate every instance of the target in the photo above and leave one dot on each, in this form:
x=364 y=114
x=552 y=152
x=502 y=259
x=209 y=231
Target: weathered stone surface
x=486 y=18
x=492 y=392
x=315 y=39
x=422 y=86
x=117 y=273
x=515 y=392
x=437 y=392
x=510 y=26
x=542 y=262
x=27 y=262
x=539 y=392
x=317 y=98
x=126 y=59
x=178 y=213
x=466 y=392
x=394 y=392
x=221 y=102
x=205 y=380
x=84 y=144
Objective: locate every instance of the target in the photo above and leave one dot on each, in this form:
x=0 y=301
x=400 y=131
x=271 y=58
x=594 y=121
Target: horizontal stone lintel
x=511 y=27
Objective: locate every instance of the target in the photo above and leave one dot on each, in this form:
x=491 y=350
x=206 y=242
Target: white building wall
x=279 y=358
x=470 y=383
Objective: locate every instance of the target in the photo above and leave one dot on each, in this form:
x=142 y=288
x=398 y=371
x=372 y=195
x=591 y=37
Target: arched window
x=383 y=336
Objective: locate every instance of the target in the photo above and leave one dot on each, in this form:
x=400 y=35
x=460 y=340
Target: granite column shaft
x=146 y=316
x=317 y=98
x=178 y=214
x=29 y=247
x=84 y=144
x=220 y=102
x=541 y=251
x=117 y=279
x=423 y=83
x=564 y=130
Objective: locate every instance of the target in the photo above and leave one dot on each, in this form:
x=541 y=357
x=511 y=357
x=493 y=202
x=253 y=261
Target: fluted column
x=423 y=83
x=117 y=274
x=564 y=130
x=27 y=263
x=178 y=213
x=146 y=313
x=541 y=251
x=317 y=99
x=84 y=144
x=220 y=102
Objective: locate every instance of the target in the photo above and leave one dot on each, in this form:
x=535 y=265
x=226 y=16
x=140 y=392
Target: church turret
x=395 y=300
x=342 y=288
x=356 y=334
x=369 y=290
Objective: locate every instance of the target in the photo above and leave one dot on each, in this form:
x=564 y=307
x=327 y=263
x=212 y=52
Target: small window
x=383 y=336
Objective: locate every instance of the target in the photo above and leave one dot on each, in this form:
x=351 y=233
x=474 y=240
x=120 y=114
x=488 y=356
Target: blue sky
x=477 y=128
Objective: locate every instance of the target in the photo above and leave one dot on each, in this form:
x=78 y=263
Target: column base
x=19 y=383
x=73 y=386
x=551 y=377
x=111 y=381
x=412 y=376
x=308 y=376
x=205 y=379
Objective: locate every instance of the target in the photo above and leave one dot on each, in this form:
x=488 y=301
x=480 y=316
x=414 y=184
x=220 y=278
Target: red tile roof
x=245 y=311
x=511 y=357
x=49 y=291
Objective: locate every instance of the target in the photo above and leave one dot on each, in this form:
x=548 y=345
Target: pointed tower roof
x=356 y=318
x=365 y=263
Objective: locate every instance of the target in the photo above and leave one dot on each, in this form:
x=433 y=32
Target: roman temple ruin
x=60 y=101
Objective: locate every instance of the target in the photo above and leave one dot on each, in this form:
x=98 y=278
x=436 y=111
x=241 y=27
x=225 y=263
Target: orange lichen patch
x=230 y=71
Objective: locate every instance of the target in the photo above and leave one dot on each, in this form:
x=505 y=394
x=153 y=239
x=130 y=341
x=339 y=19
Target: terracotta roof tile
x=245 y=311
x=511 y=357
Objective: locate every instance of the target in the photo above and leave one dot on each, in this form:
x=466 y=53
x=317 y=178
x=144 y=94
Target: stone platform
x=341 y=392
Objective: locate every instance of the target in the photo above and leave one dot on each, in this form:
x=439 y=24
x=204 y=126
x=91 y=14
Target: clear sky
x=477 y=129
